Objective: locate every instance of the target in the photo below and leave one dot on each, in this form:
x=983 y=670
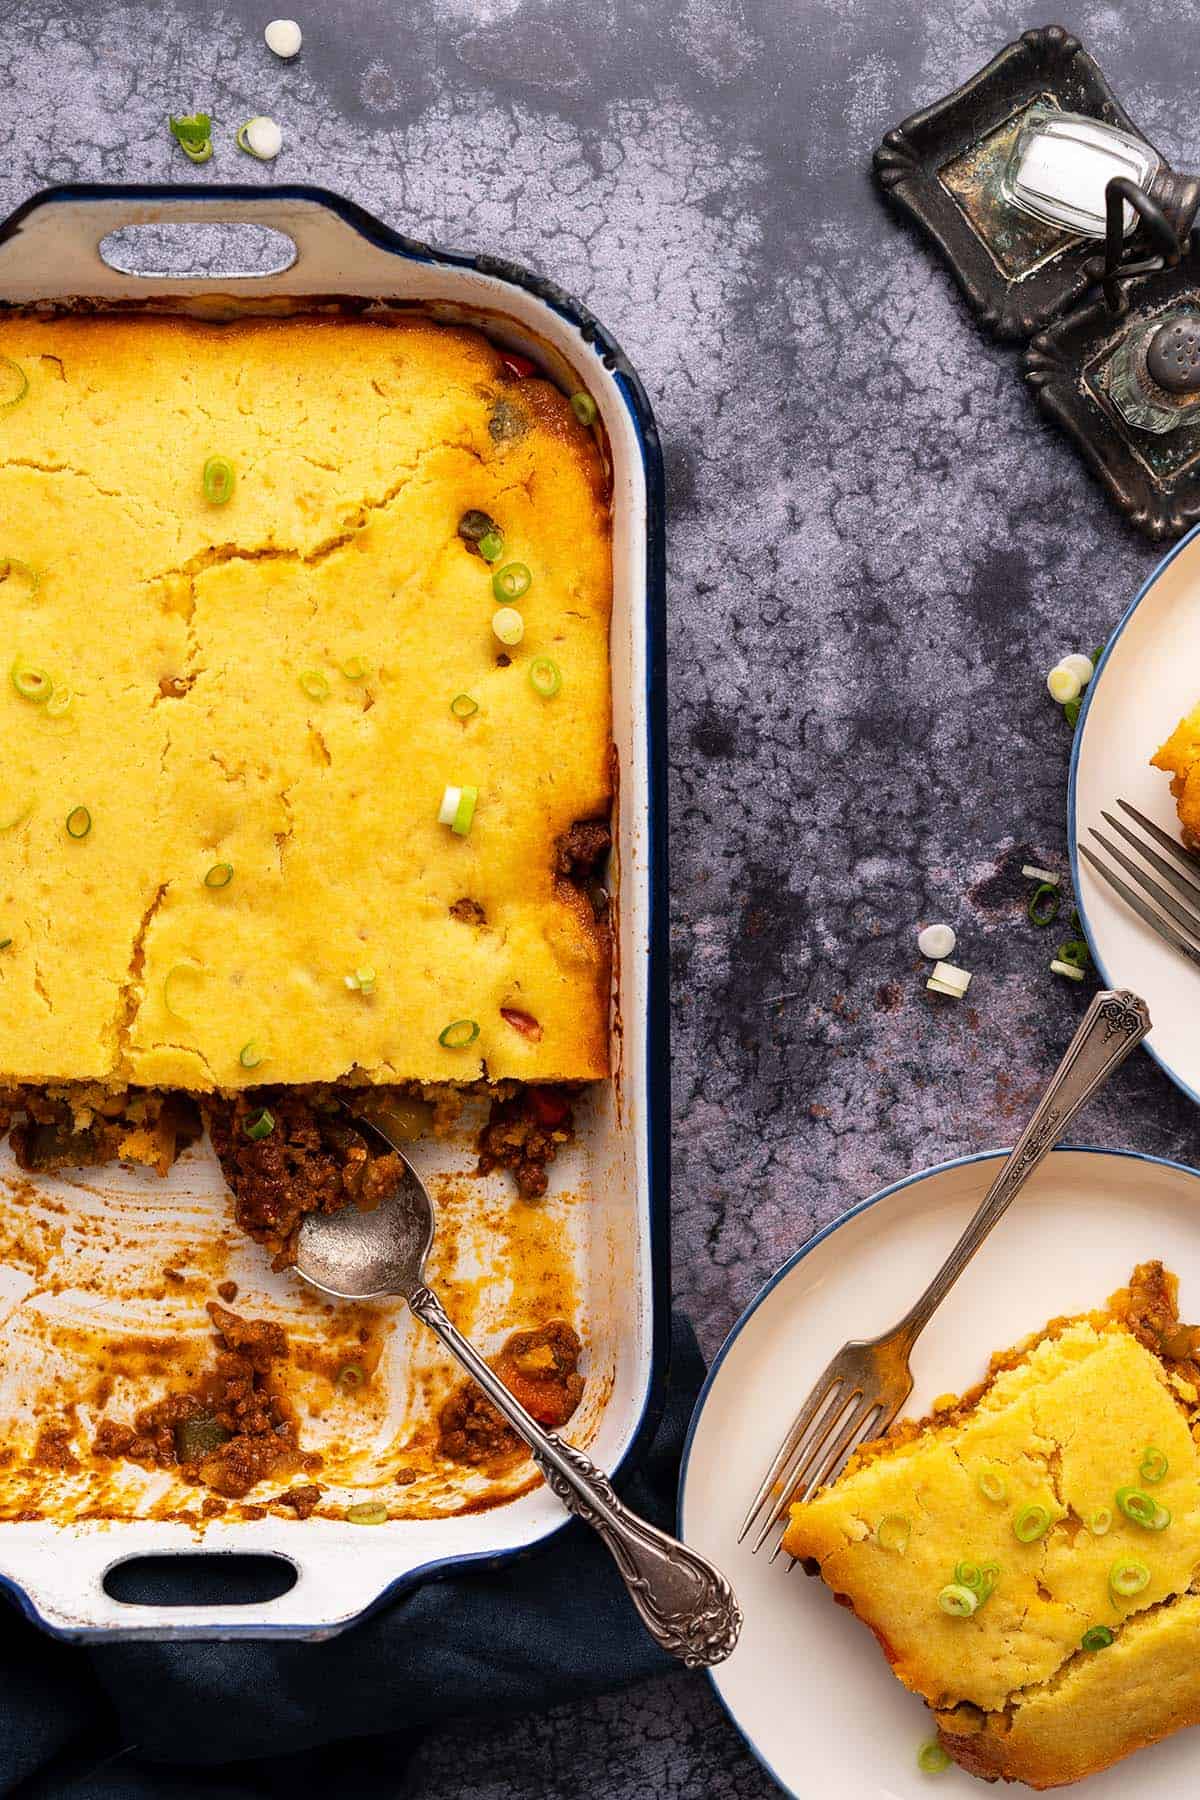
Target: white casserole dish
x=50 y=257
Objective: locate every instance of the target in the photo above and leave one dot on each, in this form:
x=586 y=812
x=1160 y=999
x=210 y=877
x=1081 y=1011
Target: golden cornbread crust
x=188 y=633
x=1062 y=1421
x=1179 y=758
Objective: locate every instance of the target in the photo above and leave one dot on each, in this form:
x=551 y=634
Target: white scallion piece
x=943 y=987
x=262 y=138
x=1031 y=872
x=1080 y=665
x=1063 y=683
x=936 y=942
x=508 y=625
x=952 y=976
x=449 y=806
x=1066 y=968
x=284 y=38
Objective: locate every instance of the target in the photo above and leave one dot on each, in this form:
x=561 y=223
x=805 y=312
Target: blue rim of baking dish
x=658 y=1046
x=781 y=1274
x=1106 y=979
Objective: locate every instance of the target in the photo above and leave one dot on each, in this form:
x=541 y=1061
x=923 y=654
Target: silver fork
x=1182 y=871
x=868 y=1381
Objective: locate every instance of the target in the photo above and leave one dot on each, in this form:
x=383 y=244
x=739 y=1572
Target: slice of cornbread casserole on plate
x=1027 y=1556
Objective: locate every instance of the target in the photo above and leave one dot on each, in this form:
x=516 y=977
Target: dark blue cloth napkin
x=243 y=1720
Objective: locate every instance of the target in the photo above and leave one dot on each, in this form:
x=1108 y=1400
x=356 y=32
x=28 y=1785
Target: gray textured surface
x=875 y=551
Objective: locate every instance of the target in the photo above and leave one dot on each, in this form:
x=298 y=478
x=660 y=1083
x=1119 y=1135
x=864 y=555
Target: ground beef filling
x=83 y=1126
x=541 y=1369
x=232 y=1431
x=311 y=1160
x=578 y=856
x=524 y=1133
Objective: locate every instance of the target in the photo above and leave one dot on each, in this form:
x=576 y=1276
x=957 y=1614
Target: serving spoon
x=685 y=1602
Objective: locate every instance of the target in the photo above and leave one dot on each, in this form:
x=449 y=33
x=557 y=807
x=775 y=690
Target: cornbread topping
x=1026 y=1557
x=1179 y=757
x=245 y=652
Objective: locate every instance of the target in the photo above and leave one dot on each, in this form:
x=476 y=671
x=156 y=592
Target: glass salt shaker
x=1062 y=163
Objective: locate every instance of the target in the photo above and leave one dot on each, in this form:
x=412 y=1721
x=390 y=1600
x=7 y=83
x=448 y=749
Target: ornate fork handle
x=685 y=1602
x=1114 y=1024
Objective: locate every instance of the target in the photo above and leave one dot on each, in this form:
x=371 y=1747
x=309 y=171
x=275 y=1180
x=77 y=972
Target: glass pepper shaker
x=1154 y=377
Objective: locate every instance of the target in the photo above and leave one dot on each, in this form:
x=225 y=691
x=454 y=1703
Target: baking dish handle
x=50 y=247
x=62 y=1586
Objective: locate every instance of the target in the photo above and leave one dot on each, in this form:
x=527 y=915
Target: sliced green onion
x=958 y=1601
x=32 y=684
x=463 y=707
x=1064 y=683
x=219 y=876
x=1031 y=872
x=1031 y=1523
x=59 y=703
x=1076 y=952
x=981 y=1578
x=584 y=408
x=893 y=1532
x=371 y=1512
x=12 y=565
x=1097 y=1637
x=1141 y=1508
x=14 y=384
x=355 y=668
x=261 y=138
x=259 y=1125
x=252 y=1054
x=1072 y=710
x=218 y=480
x=193 y=133
x=1153 y=1465
x=459 y=1035
x=10 y=824
x=1044 y=903
x=171 y=981
x=315 y=685
x=1081 y=666
x=948 y=978
x=993 y=1488
x=1128 y=1577
x=79 y=822
x=932 y=1759
x=1100 y=1522
x=545 y=678
x=4 y=943
x=491 y=545
x=361 y=981
x=511 y=582
x=351 y=1377
x=508 y=625
x=1071 y=970
x=460 y=825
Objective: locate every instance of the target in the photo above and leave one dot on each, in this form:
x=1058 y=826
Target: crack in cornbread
x=266 y=685
x=1019 y=1475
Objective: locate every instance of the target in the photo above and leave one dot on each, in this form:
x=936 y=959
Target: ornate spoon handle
x=687 y=1604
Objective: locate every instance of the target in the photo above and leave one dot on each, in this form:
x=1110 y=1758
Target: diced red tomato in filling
x=518 y=366
x=548 y=1107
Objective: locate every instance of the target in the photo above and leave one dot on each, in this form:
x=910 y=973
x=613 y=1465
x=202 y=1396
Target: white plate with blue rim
x=808 y=1687
x=1146 y=681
